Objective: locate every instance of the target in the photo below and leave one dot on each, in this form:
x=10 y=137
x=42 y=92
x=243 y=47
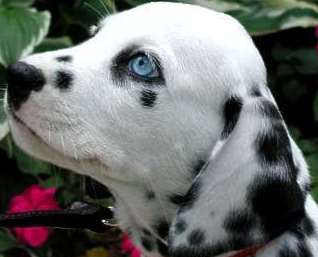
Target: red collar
x=248 y=252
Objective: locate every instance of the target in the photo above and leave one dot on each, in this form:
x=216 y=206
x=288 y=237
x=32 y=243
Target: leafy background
x=283 y=30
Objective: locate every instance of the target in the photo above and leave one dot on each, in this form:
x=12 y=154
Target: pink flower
x=33 y=198
x=128 y=247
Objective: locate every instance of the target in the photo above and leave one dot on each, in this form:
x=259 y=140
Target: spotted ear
x=247 y=193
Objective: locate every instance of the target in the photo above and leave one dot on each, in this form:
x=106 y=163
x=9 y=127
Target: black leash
x=80 y=215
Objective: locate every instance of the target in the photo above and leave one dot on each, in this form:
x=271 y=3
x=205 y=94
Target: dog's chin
x=30 y=142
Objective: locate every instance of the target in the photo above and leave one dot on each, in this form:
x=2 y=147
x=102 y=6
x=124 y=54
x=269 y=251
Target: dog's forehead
x=163 y=21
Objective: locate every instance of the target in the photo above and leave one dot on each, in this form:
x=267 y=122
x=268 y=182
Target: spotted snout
x=25 y=78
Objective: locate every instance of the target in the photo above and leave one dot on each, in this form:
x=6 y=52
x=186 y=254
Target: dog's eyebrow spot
x=147 y=244
x=64 y=79
x=232 y=109
x=64 y=58
x=196 y=237
x=238 y=222
x=148 y=98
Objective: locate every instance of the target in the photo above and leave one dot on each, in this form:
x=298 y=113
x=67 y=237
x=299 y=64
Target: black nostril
x=22 y=79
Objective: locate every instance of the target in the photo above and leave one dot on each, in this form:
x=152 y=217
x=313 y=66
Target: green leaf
x=7 y=242
x=21 y=30
x=24 y=3
x=99 y=8
x=56 y=180
x=308 y=146
x=312 y=160
x=266 y=16
x=316 y=107
x=51 y=44
x=30 y=165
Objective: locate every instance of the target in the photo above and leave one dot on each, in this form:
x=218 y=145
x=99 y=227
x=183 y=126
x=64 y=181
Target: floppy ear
x=247 y=193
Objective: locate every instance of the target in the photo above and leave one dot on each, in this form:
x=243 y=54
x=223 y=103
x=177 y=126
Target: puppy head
x=146 y=88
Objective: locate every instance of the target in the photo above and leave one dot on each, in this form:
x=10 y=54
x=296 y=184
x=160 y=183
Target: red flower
x=33 y=198
x=128 y=247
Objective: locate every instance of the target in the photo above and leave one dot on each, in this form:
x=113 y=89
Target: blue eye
x=143 y=66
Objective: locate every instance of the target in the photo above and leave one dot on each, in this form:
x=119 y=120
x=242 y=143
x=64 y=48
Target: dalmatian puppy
x=167 y=105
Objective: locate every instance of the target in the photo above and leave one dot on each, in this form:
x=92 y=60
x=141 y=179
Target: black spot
x=214 y=249
x=150 y=195
x=238 y=221
x=196 y=237
x=287 y=252
x=177 y=199
x=303 y=249
x=64 y=58
x=279 y=203
x=231 y=112
x=273 y=147
x=146 y=232
x=148 y=98
x=191 y=196
x=64 y=79
x=308 y=226
x=197 y=167
x=162 y=228
x=180 y=226
x=256 y=92
x=147 y=244
x=162 y=248
x=269 y=109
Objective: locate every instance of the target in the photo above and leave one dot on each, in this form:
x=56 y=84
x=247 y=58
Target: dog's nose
x=22 y=79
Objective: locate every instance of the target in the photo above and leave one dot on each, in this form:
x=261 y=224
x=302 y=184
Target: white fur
x=100 y=129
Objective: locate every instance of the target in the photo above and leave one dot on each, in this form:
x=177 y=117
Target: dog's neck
x=146 y=206
x=143 y=205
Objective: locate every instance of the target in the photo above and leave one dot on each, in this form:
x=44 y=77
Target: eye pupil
x=141 y=62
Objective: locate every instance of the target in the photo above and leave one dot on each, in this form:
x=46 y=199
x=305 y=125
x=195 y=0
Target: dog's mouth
x=21 y=122
x=29 y=140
